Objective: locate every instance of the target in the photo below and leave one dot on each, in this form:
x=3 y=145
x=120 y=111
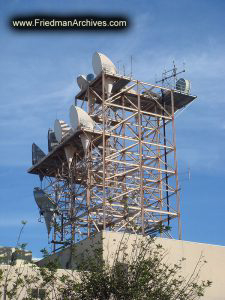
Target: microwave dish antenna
x=82 y=82
x=101 y=62
x=183 y=85
x=46 y=206
x=37 y=154
x=52 y=141
x=61 y=129
x=79 y=118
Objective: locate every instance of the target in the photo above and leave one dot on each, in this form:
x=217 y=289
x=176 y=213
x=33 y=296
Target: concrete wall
x=110 y=242
x=70 y=257
x=213 y=270
x=29 y=270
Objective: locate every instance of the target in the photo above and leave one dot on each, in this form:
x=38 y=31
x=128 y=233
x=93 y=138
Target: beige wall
x=214 y=270
x=29 y=270
x=71 y=256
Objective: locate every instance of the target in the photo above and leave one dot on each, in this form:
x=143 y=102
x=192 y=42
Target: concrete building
x=109 y=242
x=17 y=264
x=12 y=255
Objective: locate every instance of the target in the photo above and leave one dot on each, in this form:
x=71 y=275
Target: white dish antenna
x=183 y=85
x=46 y=206
x=82 y=82
x=79 y=118
x=101 y=62
x=61 y=129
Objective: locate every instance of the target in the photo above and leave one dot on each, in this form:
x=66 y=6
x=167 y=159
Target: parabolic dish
x=183 y=85
x=79 y=118
x=82 y=82
x=47 y=207
x=60 y=129
x=101 y=62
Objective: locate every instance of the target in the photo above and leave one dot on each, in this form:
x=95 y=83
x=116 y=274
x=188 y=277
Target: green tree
x=140 y=273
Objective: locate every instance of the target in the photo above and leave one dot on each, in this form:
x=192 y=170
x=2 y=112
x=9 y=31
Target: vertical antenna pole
x=72 y=202
x=62 y=227
x=176 y=169
x=123 y=153
x=140 y=161
x=104 y=148
x=88 y=173
x=174 y=73
x=160 y=187
x=54 y=232
x=165 y=158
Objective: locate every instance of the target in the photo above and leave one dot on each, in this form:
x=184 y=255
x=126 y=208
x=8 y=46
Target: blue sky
x=37 y=78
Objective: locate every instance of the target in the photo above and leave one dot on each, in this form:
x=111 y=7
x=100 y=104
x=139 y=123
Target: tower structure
x=115 y=167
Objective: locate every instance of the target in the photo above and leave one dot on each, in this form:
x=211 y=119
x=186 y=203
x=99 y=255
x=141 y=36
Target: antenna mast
x=167 y=75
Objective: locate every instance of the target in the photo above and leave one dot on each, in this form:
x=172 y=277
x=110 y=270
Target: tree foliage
x=137 y=274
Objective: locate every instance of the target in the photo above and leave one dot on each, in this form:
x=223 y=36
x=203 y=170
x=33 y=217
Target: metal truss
x=127 y=179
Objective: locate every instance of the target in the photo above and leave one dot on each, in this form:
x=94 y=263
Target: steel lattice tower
x=126 y=179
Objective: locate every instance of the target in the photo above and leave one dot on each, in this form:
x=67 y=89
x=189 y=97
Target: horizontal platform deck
x=148 y=96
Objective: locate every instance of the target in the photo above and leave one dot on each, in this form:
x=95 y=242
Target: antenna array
x=169 y=77
x=114 y=168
